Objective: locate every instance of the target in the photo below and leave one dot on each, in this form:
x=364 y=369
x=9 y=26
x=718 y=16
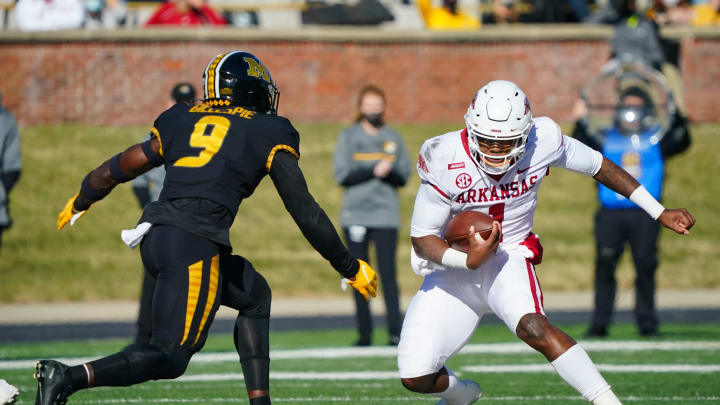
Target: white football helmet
x=500 y=111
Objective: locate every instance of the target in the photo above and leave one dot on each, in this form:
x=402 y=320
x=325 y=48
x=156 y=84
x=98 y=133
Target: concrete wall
x=124 y=77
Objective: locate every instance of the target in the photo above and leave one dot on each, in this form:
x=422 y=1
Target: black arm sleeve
x=358 y=176
x=310 y=218
x=395 y=179
x=9 y=179
x=677 y=138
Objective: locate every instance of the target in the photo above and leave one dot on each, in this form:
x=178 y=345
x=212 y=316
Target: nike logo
x=520 y=171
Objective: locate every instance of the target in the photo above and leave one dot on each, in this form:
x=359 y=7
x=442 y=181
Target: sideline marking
x=389 y=351
x=387 y=399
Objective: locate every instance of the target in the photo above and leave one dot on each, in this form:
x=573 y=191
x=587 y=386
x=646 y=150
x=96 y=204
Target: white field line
x=415 y=399
x=520 y=368
x=613 y=368
x=389 y=351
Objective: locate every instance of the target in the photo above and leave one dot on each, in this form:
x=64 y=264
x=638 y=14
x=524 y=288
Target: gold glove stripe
x=274 y=150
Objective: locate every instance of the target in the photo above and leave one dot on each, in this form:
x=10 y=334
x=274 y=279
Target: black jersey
x=214 y=158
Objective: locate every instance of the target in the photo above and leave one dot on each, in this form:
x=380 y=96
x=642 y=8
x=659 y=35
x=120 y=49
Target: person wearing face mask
x=371 y=162
x=638 y=144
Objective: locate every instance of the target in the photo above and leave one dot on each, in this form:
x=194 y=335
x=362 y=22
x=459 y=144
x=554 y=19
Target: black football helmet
x=241 y=79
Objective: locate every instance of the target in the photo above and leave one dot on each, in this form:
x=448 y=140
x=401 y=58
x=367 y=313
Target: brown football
x=456 y=231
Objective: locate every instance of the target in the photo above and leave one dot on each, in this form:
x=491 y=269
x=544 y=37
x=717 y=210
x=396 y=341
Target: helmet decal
x=256 y=69
x=240 y=78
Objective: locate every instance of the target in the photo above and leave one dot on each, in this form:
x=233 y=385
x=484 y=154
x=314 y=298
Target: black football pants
x=612 y=229
x=193 y=276
x=385 y=241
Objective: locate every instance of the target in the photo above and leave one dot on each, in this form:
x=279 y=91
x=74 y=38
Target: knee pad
x=176 y=363
x=154 y=363
x=145 y=361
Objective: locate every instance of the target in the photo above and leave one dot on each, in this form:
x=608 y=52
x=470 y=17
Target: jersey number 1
x=210 y=143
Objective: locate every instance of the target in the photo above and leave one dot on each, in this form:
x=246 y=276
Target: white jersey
x=453 y=182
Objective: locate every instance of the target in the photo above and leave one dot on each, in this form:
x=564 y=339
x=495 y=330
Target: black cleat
x=53 y=383
x=596 y=332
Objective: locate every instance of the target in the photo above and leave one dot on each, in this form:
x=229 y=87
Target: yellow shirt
x=439 y=18
x=704 y=15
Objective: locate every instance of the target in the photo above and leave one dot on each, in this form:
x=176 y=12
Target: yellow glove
x=68 y=214
x=365 y=281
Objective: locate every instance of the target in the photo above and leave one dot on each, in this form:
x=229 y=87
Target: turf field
x=89 y=262
x=316 y=367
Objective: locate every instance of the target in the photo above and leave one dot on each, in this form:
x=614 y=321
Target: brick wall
x=116 y=82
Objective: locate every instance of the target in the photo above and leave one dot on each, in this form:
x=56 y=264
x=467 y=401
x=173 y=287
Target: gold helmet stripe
x=210 y=76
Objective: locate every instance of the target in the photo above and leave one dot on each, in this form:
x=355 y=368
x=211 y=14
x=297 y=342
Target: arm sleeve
x=347 y=171
x=398 y=176
x=310 y=218
x=577 y=157
x=430 y=213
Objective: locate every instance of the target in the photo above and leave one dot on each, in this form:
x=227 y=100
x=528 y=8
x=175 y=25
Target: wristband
x=647 y=202
x=454 y=259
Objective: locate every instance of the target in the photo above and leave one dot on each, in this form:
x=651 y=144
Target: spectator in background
x=147 y=189
x=371 y=162
x=684 y=12
x=105 y=13
x=10 y=163
x=637 y=37
x=48 y=15
x=186 y=12
x=636 y=144
x=447 y=16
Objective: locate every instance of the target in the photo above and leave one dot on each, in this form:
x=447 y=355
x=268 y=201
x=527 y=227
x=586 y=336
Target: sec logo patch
x=463 y=180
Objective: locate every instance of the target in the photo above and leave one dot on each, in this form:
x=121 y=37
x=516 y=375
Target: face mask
x=375 y=119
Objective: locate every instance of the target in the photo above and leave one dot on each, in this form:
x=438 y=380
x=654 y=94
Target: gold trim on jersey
x=194 y=284
x=157 y=135
x=211 y=75
x=212 y=293
x=374 y=156
x=274 y=150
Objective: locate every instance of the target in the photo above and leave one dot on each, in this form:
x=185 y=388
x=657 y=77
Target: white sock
x=576 y=368
x=607 y=398
x=449 y=393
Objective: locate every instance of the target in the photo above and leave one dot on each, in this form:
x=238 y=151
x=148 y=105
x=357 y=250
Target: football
x=456 y=231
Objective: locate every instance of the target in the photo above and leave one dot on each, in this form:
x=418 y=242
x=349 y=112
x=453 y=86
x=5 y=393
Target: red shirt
x=169 y=14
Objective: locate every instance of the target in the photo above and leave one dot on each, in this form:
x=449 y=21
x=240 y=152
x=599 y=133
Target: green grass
x=89 y=262
x=500 y=388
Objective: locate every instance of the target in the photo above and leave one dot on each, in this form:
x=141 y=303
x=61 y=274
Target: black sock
x=260 y=401
x=78 y=377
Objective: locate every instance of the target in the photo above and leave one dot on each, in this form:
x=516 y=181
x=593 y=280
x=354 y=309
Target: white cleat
x=467 y=393
x=8 y=393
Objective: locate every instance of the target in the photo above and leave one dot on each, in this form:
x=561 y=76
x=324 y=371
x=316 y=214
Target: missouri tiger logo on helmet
x=241 y=79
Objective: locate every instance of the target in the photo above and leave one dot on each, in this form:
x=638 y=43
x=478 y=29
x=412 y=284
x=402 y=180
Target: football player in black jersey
x=215 y=155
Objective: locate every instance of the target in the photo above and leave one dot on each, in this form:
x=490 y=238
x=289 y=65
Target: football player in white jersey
x=495 y=166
